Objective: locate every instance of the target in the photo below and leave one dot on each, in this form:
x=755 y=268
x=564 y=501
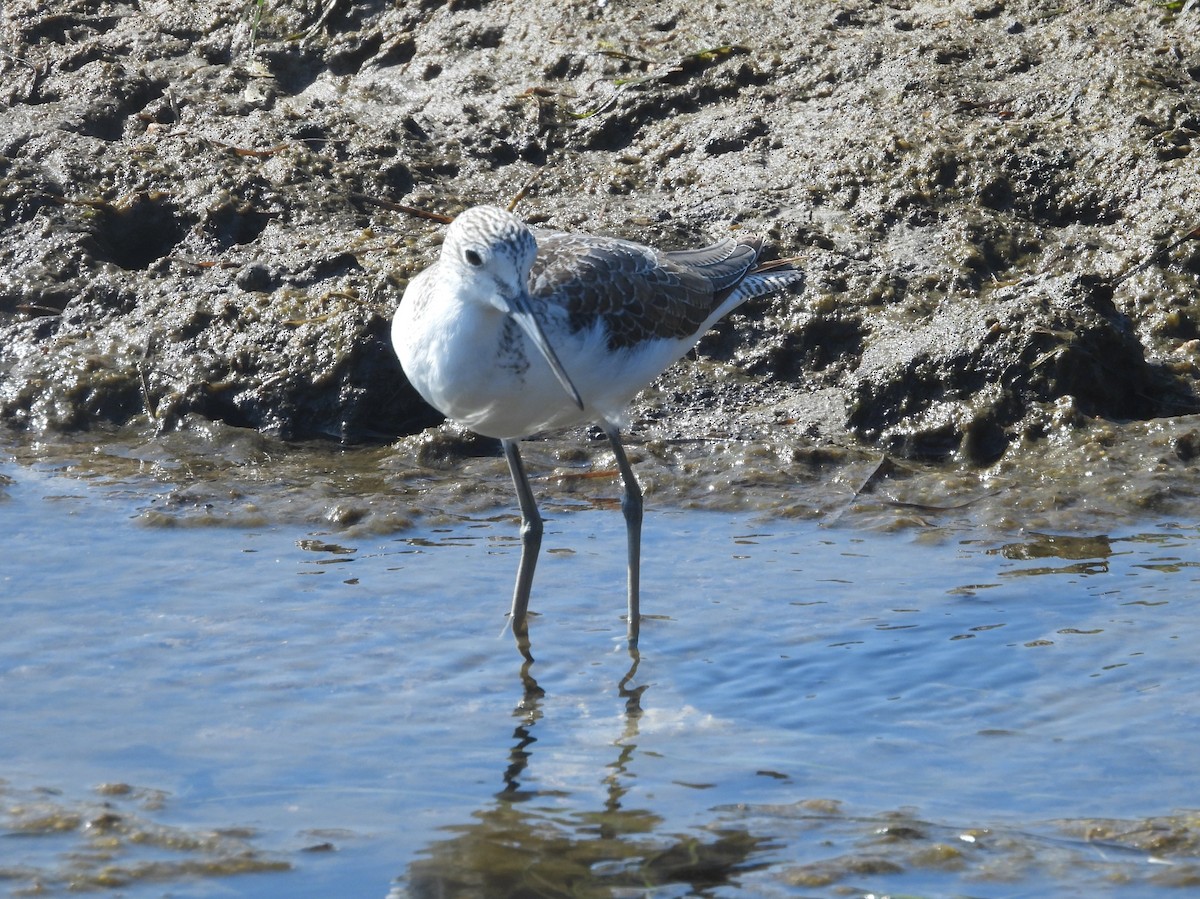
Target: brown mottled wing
x=638 y=292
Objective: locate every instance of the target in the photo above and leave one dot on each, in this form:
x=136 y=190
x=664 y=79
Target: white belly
x=478 y=369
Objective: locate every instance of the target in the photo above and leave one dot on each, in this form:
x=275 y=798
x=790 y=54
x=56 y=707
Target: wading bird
x=514 y=331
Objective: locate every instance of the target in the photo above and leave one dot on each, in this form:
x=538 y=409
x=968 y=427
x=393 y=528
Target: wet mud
x=112 y=841
x=993 y=203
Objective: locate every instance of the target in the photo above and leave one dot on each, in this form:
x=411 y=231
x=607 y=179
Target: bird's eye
x=473 y=258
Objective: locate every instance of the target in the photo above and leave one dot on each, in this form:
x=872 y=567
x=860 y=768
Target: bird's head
x=492 y=248
x=491 y=251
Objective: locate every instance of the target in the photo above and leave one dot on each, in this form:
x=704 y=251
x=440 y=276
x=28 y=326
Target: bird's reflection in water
x=533 y=841
x=533 y=693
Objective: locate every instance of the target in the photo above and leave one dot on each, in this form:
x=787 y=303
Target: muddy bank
x=991 y=201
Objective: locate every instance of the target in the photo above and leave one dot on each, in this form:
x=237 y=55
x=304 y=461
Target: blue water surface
x=814 y=711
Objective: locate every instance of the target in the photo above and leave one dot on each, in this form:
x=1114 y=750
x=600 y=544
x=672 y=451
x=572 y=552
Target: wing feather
x=639 y=293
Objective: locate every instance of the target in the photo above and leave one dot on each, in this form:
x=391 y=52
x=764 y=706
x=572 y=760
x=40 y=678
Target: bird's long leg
x=531 y=536
x=631 y=506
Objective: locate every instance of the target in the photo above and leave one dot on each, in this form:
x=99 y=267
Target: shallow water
x=815 y=711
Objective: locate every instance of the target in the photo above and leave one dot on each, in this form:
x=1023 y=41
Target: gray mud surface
x=993 y=201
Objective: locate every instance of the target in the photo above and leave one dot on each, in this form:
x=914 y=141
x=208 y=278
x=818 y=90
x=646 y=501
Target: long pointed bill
x=518 y=308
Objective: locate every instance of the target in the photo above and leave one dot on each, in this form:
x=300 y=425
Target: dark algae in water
x=111 y=840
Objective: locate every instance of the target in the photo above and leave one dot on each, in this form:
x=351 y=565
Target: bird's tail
x=769 y=277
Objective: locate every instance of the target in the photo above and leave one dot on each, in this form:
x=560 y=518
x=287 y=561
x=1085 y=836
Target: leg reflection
x=519 y=755
x=543 y=834
x=529 y=711
x=533 y=692
x=632 y=694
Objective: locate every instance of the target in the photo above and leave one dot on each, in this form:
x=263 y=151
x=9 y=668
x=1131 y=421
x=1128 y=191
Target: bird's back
x=640 y=294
